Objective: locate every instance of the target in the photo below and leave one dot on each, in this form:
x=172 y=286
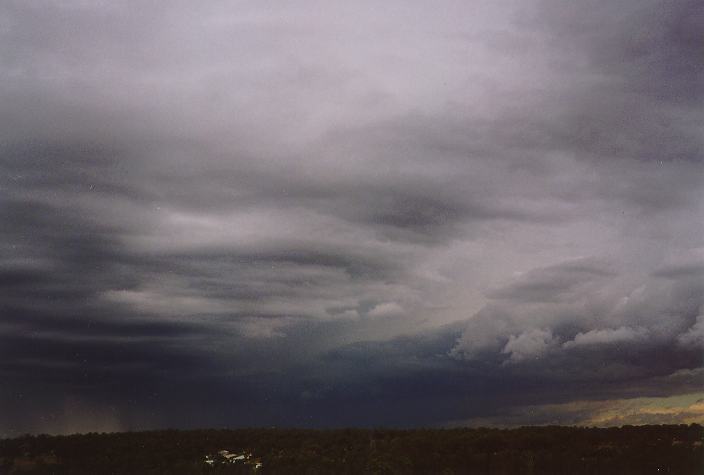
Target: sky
x=334 y=214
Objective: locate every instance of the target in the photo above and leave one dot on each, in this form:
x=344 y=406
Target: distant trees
x=529 y=450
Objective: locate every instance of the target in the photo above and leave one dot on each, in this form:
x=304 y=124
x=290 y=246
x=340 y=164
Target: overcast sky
x=350 y=213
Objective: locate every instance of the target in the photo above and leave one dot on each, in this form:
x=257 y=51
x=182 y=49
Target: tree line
x=526 y=450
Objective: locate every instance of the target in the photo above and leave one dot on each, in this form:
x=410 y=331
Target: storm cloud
x=260 y=213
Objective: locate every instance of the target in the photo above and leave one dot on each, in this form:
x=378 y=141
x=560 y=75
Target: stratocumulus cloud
x=257 y=214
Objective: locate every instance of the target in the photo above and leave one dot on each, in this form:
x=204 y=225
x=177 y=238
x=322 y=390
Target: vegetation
x=536 y=450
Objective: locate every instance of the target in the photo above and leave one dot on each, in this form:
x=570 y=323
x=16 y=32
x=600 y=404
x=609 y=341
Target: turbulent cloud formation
x=608 y=336
x=260 y=213
x=530 y=344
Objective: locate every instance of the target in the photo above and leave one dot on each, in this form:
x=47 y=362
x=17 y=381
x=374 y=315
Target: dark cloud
x=294 y=209
x=693 y=270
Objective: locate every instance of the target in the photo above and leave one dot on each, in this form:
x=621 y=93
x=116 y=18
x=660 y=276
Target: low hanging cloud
x=607 y=336
x=530 y=344
x=386 y=309
x=693 y=337
x=580 y=309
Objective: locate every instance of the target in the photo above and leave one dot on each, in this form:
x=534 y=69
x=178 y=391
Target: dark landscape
x=529 y=450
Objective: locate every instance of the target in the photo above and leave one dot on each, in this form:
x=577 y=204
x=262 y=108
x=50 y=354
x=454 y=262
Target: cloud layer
x=260 y=213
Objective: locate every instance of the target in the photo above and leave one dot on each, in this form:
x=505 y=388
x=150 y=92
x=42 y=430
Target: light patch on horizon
x=680 y=409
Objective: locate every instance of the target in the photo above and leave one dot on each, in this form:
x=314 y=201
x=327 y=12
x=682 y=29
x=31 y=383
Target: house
x=225 y=457
x=233 y=458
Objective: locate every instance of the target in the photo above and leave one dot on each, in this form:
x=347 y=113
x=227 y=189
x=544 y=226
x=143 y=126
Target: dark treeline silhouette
x=527 y=450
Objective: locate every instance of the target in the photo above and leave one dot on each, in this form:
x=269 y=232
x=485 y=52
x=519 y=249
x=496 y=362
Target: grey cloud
x=657 y=41
x=384 y=212
x=645 y=52
x=572 y=316
x=531 y=344
x=607 y=336
x=694 y=270
x=693 y=337
x=553 y=283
